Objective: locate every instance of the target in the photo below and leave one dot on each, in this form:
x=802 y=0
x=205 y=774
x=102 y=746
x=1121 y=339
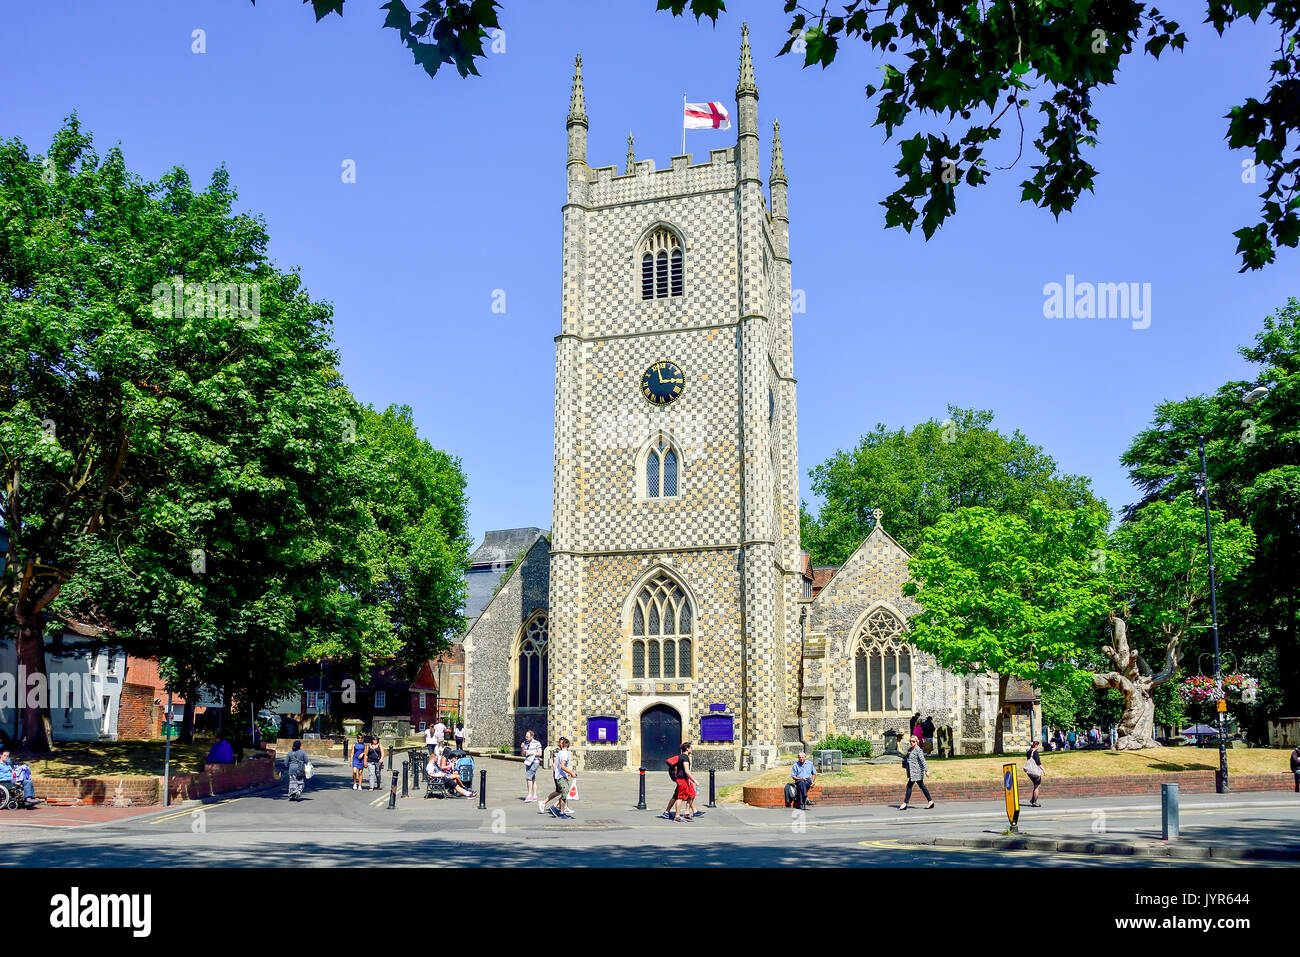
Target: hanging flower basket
x=1203 y=690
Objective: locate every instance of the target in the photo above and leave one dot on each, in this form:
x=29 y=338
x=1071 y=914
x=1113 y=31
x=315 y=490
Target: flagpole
x=683 y=124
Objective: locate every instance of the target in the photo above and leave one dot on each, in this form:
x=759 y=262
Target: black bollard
x=390 y=759
x=482 y=790
x=406 y=767
x=415 y=772
x=713 y=793
x=392 y=794
x=640 y=800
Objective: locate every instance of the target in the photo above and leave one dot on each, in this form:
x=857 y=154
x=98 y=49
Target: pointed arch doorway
x=661 y=736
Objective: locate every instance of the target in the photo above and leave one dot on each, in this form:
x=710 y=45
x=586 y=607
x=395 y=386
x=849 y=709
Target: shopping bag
x=308 y=770
x=573 y=791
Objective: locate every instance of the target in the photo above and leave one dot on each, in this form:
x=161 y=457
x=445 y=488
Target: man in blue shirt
x=803 y=773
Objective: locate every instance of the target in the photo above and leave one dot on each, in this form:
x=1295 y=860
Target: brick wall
x=1143 y=785
x=144 y=791
x=223 y=778
x=138 y=790
x=137 y=715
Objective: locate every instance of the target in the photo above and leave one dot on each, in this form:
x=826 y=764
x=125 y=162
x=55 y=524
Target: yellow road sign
x=1221 y=705
x=1012 y=788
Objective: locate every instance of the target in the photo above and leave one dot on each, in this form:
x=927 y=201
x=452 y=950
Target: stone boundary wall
x=143 y=791
x=317 y=748
x=1145 y=785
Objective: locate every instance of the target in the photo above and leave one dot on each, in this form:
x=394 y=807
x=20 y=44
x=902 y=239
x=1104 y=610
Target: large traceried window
x=662 y=266
x=663 y=626
x=530 y=689
x=883 y=664
x=661 y=465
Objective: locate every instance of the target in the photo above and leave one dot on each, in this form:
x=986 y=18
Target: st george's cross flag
x=706 y=116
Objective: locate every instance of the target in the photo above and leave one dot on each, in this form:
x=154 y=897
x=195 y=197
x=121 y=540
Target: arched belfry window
x=530 y=664
x=663 y=626
x=883 y=664
x=662 y=266
x=662 y=464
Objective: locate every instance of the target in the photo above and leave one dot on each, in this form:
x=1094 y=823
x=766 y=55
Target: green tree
x=420 y=534
x=1026 y=597
x=1009 y=594
x=917 y=477
x=180 y=457
x=1254 y=476
x=1156 y=569
x=947 y=60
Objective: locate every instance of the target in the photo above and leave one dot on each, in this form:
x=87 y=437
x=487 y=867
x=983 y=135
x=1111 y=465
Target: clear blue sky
x=460 y=183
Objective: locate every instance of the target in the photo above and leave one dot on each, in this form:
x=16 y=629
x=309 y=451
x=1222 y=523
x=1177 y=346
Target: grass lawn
x=1056 y=764
x=115 y=759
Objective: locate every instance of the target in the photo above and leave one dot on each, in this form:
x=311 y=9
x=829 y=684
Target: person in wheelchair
x=14 y=779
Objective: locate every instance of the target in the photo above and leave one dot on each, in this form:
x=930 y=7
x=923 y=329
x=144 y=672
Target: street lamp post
x=1219 y=705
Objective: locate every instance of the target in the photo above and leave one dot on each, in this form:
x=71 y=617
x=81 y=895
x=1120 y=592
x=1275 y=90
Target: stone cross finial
x=631 y=161
x=878 y=514
x=746 y=84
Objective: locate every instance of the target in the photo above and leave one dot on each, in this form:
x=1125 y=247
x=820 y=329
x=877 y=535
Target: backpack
x=674 y=765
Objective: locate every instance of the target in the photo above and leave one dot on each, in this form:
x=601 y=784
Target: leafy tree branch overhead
x=1024 y=68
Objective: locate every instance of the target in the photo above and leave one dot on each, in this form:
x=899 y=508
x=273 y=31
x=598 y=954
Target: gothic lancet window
x=530 y=670
x=661 y=464
x=662 y=628
x=662 y=265
x=883 y=664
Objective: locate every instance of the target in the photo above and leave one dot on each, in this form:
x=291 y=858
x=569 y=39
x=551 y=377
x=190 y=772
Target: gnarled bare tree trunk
x=1134 y=678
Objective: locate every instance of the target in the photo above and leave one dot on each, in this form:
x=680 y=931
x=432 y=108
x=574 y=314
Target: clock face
x=662 y=383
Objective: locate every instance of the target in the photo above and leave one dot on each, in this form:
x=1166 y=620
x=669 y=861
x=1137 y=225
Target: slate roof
x=502 y=545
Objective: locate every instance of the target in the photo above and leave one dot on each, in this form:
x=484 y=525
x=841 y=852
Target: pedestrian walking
x=1295 y=767
x=673 y=811
x=358 y=760
x=531 y=749
x=430 y=742
x=927 y=734
x=685 y=793
x=374 y=763
x=439 y=732
x=296 y=770
x=460 y=735
x=564 y=778
x=1071 y=738
x=1034 y=771
x=804 y=774
x=917 y=769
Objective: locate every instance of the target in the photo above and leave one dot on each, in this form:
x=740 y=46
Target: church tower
x=675 y=570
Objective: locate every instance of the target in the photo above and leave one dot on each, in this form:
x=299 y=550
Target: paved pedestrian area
x=337 y=826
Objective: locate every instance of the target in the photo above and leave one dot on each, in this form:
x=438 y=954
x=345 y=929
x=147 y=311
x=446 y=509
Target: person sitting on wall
x=221 y=752
x=804 y=775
